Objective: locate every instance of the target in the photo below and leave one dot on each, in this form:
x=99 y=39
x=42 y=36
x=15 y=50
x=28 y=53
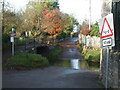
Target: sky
x=78 y=8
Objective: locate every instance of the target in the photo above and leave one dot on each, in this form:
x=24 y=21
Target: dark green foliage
x=95 y=30
x=63 y=35
x=5 y=40
x=81 y=44
x=52 y=5
x=54 y=54
x=92 y=55
x=26 y=61
x=23 y=41
x=19 y=42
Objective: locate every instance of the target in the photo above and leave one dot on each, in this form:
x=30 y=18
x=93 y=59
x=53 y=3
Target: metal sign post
x=12 y=41
x=12 y=48
x=13 y=34
x=107 y=39
x=107 y=59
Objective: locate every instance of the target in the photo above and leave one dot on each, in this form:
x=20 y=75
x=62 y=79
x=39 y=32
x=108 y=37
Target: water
x=71 y=57
x=78 y=64
x=75 y=64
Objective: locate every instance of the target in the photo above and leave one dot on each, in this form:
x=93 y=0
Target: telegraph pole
x=89 y=14
x=3 y=16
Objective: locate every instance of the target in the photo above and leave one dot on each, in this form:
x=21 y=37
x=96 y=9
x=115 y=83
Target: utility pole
x=89 y=14
x=3 y=16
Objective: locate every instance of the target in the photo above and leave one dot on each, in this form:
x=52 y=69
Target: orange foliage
x=85 y=31
x=53 y=21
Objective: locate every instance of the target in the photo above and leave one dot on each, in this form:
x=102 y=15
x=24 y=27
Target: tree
x=95 y=30
x=45 y=19
x=34 y=17
x=53 y=23
x=85 y=30
x=52 y=5
x=11 y=19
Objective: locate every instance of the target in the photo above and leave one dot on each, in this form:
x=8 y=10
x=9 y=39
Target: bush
x=95 y=30
x=81 y=44
x=92 y=56
x=26 y=61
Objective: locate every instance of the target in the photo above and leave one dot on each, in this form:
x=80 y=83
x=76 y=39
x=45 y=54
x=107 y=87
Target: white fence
x=89 y=41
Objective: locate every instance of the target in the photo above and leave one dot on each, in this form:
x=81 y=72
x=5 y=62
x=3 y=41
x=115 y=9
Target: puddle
x=78 y=64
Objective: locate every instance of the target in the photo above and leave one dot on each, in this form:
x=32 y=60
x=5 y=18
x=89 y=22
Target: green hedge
x=26 y=61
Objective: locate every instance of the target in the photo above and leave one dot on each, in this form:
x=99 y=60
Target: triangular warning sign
x=106 y=29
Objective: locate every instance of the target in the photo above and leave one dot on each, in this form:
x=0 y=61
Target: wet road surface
x=71 y=51
x=54 y=76
x=51 y=77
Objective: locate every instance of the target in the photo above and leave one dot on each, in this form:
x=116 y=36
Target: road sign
x=106 y=31
x=107 y=42
x=13 y=34
x=12 y=39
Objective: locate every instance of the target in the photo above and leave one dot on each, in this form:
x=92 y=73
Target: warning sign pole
x=13 y=48
x=107 y=58
x=107 y=39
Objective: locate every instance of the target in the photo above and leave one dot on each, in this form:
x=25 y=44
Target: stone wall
x=114 y=58
x=113 y=78
x=89 y=41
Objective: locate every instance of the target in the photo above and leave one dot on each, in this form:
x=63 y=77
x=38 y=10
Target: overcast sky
x=79 y=8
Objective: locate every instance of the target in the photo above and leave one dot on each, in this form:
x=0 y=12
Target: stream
x=71 y=57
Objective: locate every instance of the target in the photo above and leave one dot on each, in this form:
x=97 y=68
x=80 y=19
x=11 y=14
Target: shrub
x=92 y=55
x=81 y=44
x=95 y=30
x=26 y=61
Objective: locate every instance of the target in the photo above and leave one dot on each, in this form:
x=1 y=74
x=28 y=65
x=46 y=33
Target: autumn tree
x=33 y=17
x=53 y=23
x=45 y=19
x=85 y=30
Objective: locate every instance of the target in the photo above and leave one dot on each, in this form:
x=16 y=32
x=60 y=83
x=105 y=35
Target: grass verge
x=92 y=56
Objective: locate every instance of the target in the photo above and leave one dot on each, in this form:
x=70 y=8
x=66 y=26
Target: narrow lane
x=71 y=51
x=54 y=76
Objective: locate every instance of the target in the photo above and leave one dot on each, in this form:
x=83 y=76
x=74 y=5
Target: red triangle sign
x=106 y=29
